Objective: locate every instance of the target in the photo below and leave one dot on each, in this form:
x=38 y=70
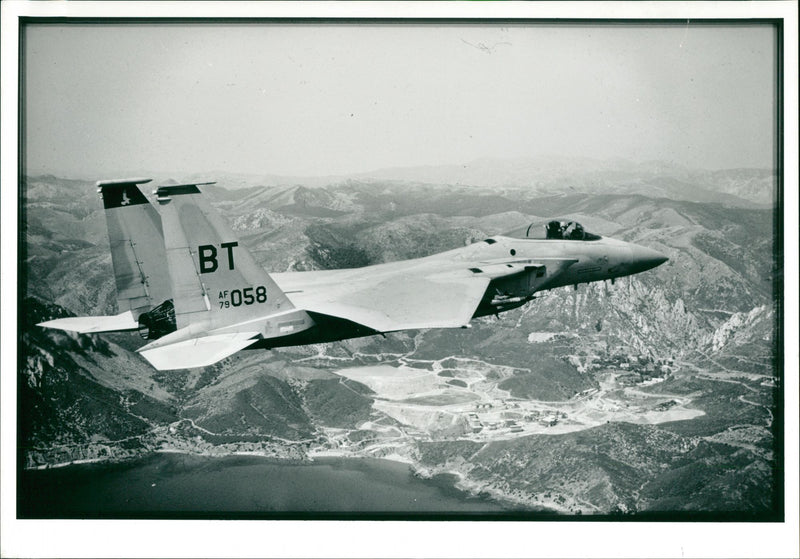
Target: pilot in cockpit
x=572 y=230
x=553 y=229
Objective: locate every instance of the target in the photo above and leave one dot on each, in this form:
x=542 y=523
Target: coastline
x=456 y=480
x=288 y=455
x=478 y=489
x=331 y=453
x=165 y=481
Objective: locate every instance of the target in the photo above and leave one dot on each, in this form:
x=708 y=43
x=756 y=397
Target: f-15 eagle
x=190 y=288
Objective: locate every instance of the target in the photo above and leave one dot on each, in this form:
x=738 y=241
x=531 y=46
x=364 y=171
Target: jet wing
x=390 y=302
x=94 y=324
x=436 y=293
x=387 y=302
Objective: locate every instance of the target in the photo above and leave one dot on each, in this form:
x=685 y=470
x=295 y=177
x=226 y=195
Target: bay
x=166 y=485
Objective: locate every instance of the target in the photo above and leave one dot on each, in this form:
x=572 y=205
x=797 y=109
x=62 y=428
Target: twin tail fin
x=184 y=280
x=223 y=300
x=138 y=258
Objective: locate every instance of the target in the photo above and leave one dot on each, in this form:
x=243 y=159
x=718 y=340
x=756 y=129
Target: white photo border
x=47 y=538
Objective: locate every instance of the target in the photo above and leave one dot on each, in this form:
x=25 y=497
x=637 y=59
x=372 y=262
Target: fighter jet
x=196 y=294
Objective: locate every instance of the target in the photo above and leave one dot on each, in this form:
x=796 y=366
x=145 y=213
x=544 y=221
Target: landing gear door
x=536 y=276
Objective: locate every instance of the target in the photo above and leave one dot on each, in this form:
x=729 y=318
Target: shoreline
x=470 y=489
x=478 y=490
x=309 y=457
x=78 y=462
x=461 y=482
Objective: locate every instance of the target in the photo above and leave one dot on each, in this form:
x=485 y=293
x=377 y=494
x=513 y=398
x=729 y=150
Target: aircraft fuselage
x=598 y=260
x=541 y=264
x=197 y=295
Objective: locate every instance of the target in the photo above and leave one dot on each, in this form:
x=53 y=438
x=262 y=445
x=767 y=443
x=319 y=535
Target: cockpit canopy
x=554 y=230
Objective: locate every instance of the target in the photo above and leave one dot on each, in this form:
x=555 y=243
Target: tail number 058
x=239 y=297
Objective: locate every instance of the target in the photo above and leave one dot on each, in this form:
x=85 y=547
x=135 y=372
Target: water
x=181 y=485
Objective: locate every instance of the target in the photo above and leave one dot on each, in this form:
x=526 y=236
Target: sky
x=106 y=100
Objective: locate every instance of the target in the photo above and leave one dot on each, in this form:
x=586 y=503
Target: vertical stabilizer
x=137 y=246
x=215 y=281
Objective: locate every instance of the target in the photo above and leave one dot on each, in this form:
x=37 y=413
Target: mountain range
x=540 y=176
x=696 y=338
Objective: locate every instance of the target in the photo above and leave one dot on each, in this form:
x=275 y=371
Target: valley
x=656 y=394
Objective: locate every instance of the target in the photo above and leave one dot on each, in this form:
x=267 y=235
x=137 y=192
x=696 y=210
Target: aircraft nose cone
x=644 y=258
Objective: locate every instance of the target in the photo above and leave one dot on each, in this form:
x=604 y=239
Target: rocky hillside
x=82 y=397
x=703 y=325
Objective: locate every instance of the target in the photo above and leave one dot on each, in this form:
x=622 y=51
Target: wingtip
x=122 y=322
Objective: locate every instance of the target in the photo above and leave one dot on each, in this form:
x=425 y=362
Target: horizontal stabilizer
x=197 y=352
x=94 y=324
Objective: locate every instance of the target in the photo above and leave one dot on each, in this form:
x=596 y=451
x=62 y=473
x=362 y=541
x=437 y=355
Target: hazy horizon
x=544 y=159
x=342 y=99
